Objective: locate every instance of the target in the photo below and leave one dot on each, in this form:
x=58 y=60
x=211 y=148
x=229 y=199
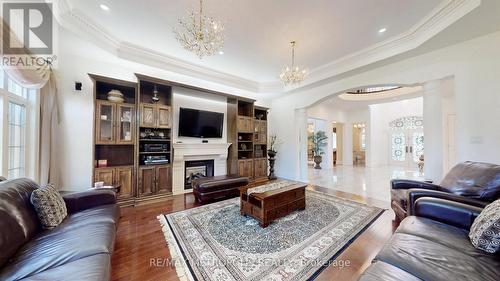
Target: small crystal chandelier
x=200 y=34
x=294 y=74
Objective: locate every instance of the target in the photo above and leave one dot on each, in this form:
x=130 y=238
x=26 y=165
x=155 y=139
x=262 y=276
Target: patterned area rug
x=214 y=242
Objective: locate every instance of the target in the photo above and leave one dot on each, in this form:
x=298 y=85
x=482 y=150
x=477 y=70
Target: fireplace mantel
x=197 y=151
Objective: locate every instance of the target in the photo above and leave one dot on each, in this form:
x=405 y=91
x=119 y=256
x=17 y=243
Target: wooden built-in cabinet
x=247 y=155
x=155 y=116
x=155 y=180
x=115 y=136
x=155 y=127
x=118 y=176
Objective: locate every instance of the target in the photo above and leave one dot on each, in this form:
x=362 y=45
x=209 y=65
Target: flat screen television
x=200 y=124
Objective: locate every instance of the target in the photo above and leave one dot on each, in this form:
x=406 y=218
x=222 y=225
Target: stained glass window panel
x=398 y=144
x=418 y=145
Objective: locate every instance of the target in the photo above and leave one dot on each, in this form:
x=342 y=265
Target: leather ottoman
x=214 y=188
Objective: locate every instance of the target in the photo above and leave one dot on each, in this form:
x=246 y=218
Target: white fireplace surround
x=195 y=152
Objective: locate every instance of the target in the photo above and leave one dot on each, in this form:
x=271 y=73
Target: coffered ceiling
x=333 y=36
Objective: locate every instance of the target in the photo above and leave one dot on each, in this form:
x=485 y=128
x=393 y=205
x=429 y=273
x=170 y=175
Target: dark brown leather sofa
x=78 y=249
x=433 y=244
x=471 y=183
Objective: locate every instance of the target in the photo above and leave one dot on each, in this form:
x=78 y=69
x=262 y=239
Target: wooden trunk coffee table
x=271 y=205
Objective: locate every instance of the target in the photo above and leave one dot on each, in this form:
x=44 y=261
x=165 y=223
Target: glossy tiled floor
x=370 y=182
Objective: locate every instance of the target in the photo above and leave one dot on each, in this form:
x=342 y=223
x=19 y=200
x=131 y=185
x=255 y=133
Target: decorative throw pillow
x=49 y=206
x=485 y=231
x=2 y=178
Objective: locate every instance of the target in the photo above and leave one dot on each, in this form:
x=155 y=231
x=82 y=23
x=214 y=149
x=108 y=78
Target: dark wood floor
x=140 y=240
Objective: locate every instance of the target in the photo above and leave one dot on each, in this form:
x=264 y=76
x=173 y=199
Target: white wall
x=380 y=116
x=473 y=64
x=188 y=98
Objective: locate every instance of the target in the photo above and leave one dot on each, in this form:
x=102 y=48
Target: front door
x=406 y=142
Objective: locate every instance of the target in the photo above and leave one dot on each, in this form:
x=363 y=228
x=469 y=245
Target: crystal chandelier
x=200 y=34
x=294 y=74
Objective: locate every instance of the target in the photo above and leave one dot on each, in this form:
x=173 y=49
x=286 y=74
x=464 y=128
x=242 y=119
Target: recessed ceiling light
x=104 y=7
x=382 y=30
x=221 y=52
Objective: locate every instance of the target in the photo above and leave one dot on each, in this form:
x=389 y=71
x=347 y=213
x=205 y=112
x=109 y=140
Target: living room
x=172 y=140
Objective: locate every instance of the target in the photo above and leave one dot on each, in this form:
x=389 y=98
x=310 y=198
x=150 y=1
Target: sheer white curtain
x=42 y=78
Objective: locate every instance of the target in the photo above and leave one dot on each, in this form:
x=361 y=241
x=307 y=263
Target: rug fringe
x=180 y=263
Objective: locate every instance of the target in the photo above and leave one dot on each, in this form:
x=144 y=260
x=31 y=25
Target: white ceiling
x=259 y=31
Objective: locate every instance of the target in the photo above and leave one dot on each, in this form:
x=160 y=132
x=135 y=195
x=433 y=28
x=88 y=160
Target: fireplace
x=197 y=169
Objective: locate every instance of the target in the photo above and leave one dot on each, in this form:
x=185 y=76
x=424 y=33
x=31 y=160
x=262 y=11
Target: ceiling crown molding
x=440 y=18
x=77 y=22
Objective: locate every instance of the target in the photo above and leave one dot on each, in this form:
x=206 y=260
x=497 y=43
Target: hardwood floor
x=140 y=244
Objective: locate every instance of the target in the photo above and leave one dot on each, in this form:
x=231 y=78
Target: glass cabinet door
x=125 y=124
x=105 y=132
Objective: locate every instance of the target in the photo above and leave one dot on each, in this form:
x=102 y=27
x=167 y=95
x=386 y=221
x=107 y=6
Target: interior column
x=301 y=127
x=433 y=130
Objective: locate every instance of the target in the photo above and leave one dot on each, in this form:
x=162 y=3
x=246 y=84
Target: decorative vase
x=317 y=160
x=271 y=154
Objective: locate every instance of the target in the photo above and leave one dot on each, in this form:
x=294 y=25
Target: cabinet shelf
x=156 y=152
x=153 y=164
x=155 y=140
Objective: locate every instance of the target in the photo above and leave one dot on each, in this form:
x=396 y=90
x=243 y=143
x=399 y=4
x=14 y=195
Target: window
x=18 y=124
x=16 y=143
x=16 y=89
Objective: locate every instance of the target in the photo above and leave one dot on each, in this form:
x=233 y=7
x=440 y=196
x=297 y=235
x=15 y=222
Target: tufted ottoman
x=214 y=188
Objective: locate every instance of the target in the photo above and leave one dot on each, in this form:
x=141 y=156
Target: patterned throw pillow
x=485 y=231
x=49 y=206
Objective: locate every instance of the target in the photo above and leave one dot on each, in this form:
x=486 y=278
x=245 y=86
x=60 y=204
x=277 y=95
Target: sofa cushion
x=473 y=179
x=18 y=219
x=49 y=206
x=431 y=250
x=437 y=232
x=485 y=231
x=106 y=214
x=91 y=268
x=61 y=245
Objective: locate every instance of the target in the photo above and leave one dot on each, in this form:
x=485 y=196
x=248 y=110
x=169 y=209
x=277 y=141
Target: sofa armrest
x=80 y=201
x=407 y=184
x=446 y=211
x=416 y=193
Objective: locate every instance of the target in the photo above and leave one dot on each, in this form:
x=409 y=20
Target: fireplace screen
x=197 y=169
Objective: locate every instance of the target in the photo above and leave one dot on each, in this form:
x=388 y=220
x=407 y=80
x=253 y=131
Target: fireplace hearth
x=197 y=169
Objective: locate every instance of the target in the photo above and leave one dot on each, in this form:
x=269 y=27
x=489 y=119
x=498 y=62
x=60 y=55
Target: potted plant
x=271 y=152
x=319 y=140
